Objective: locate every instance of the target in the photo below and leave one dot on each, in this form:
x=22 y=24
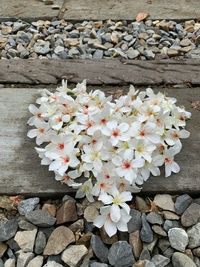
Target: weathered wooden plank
x=20 y=170
x=102 y=10
x=98 y=72
x=19 y=9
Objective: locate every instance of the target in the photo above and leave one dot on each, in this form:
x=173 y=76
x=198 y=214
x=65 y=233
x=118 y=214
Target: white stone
x=10 y=263
x=26 y=240
x=178 y=238
x=24 y=258
x=36 y=262
x=52 y=264
x=164 y=201
x=73 y=255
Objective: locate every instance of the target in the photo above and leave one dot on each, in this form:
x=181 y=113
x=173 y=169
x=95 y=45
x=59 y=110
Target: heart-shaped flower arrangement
x=114 y=145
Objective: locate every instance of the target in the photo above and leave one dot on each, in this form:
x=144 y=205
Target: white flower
x=127 y=165
x=111 y=227
x=56 y=121
x=85 y=190
x=117 y=199
x=42 y=132
x=64 y=160
x=170 y=164
x=107 y=149
x=93 y=157
x=173 y=136
x=117 y=132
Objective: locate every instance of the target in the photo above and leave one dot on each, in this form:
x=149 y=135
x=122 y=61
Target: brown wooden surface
x=20 y=170
x=105 y=71
x=101 y=10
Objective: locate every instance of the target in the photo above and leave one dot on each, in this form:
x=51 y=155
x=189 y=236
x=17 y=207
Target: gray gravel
x=56 y=39
x=44 y=238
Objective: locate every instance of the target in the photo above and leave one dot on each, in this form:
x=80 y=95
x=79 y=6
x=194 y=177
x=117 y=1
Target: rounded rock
x=194 y=236
x=120 y=254
x=59 y=239
x=178 y=239
x=8 y=229
x=181 y=260
x=40 y=218
x=73 y=255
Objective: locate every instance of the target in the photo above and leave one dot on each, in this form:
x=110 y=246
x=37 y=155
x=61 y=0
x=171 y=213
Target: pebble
x=159 y=230
x=120 y=254
x=194 y=236
x=40 y=218
x=164 y=202
x=26 y=240
x=98 y=54
x=178 y=239
x=181 y=260
x=132 y=53
x=92 y=211
x=141 y=204
x=77 y=226
x=185 y=42
x=98 y=264
x=75 y=40
x=172 y=52
x=24 y=225
x=36 y=262
x=41 y=47
x=3 y=248
x=136 y=243
x=106 y=239
x=135 y=222
x=24 y=258
x=145 y=254
x=59 y=239
x=160 y=260
x=168 y=215
x=28 y=205
x=52 y=264
x=168 y=224
x=8 y=229
x=99 y=249
x=50 y=208
x=191 y=215
x=67 y=212
x=9 y=263
x=73 y=255
x=149 y=54
x=155 y=218
x=146 y=233
x=182 y=203
x=40 y=243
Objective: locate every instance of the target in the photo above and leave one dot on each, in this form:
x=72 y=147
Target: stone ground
x=163 y=231
x=59 y=39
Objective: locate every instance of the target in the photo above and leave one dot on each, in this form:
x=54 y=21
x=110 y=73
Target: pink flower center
x=39 y=115
x=61 y=146
x=41 y=130
x=94 y=141
x=175 y=135
x=107 y=176
x=103 y=121
x=142 y=133
x=58 y=119
x=65 y=159
x=89 y=124
x=115 y=133
x=126 y=164
x=168 y=161
x=102 y=185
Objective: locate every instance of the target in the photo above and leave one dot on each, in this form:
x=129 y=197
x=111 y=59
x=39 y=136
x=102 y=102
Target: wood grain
x=101 y=10
x=99 y=72
x=20 y=169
